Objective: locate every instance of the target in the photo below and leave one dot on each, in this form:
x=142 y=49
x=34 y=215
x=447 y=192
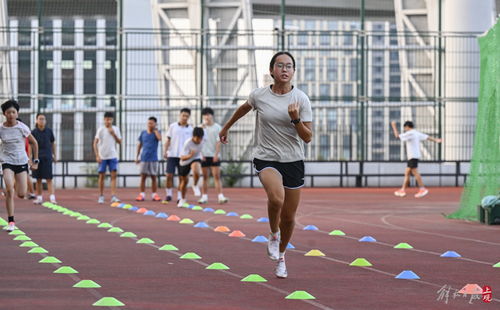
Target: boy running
x=14 y=158
x=47 y=152
x=412 y=138
x=210 y=160
x=190 y=158
x=106 y=155
x=148 y=158
x=177 y=135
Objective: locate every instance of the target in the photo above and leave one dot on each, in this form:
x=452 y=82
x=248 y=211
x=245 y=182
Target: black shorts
x=44 y=170
x=184 y=170
x=15 y=168
x=209 y=162
x=292 y=173
x=413 y=163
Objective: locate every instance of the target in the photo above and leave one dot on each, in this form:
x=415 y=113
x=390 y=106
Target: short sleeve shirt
x=210 y=139
x=178 y=136
x=44 y=138
x=149 y=146
x=13 y=144
x=189 y=146
x=276 y=138
x=107 y=143
x=412 y=139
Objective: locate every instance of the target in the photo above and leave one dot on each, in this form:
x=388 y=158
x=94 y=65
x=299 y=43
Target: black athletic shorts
x=413 y=163
x=184 y=170
x=44 y=170
x=292 y=173
x=209 y=162
x=15 y=168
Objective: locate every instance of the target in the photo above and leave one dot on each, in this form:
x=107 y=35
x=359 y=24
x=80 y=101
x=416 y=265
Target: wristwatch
x=36 y=161
x=295 y=121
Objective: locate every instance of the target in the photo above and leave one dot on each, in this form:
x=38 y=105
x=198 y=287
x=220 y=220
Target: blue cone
x=121 y=205
x=263 y=220
x=260 y=239
x=290 y=246
x=162 y=215
x=208 y=210
x=407 y=275
x=450 y=254
x=367 y=239
x=201 y=225
x=190 y=206
x=232 y=214
x=150 y=212
x=133 y=209
x=310 y=227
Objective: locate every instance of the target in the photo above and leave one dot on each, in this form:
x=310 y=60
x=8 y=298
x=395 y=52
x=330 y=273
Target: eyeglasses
x=281 y=65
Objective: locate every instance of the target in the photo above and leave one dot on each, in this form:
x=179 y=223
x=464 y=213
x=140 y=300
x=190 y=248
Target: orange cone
x=173 y=218
x=237 y=234
x=115 y=204
x=222 y=229
x=142 y=210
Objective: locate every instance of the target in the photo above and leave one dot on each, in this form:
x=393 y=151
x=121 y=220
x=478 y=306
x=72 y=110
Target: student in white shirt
x=190 y=159
x=105 y=141
x=177 y=135
x=15 y=161
x=412 y=138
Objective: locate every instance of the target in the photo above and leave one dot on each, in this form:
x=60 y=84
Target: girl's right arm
x=239 y=113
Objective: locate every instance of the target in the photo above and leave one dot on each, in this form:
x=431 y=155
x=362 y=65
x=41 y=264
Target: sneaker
x=273 y=247
x=196 y=191
x=181 y=203
x=114 y=199
x=53 y=199
x=203 y=200
x=156 y=197
x=10 y=227
x=31 y=196
x=421 y=193
x=38 y=201
x=400 y=193
x=139 y=198
x=223 y=200
x=100 y=200
x=280 y=270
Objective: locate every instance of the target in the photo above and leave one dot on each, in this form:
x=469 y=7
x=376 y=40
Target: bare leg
x=195 y=167
x=101 y=183
x=170 y=180
x=21 y=184
x=50 y=187
x=9 y=179
x=206 y=176
x=216 y=174
x=143 y=183
x=183 y=185
x=418 y=177
x=39 y=186
x=287 y=219
x=154 y=184
x=29 y=182
x=273 y=184
x=406 y=180
x=113 y=183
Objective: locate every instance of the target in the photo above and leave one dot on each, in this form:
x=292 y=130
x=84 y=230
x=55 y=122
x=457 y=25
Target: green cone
x=3 y=222
x=86 y=284
x=38 y=250
x=219 y=211
x=108 y=302
x=246 y=217
x=28 y=244
x=190 y=255
x=168 y=247
x=217 y=266
x=186 y=221
x=65 y=269
x=17 y=232
x=22 y=238
x=126 y=207
x=128 y=234
x=253 y=278
x=197 y=208
x=360 y=262
x=49 y=260
x=337 y=233
x=105 y=225
x=76 y=214
x=300 y=295
x=68 y=212
x=145 y=241
x=115 y=230
x=497 y=265
x=403 y=245
x=93 y=221
x=83 y=218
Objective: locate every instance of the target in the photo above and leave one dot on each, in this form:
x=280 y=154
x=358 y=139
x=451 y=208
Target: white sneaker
x=223 y=200
x=100 y=200
x=10 y=227
x=114 y=199
x=421 y=193
x=53 y=199
x=203 y=200
x=181 y=203
x=38 y=201
x=273 y=247
x=280 y=270
x=196 y=190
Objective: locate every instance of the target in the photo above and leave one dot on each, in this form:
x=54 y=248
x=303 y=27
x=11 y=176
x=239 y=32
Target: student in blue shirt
x=147 y=157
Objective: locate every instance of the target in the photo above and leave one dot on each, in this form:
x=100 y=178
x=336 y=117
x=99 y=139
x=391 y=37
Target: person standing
x=190 y=159
x=147 y=157
x=283 y=124
x=106 y=139
x=47 y=154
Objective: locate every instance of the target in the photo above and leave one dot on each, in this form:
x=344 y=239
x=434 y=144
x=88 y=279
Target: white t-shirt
x=210 y=139
x=107 y=143
x=13 y=150
x=178 y=136
x=189 y=146
x=276 y=138
x=412 y=139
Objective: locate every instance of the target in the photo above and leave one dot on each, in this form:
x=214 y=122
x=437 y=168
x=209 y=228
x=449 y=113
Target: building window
x=89 y=130
x=67 y=136
x=303 y=87
x=111 y=30
x=353 y=68
x=310 y=69
x=24 y=78
x=68 y=32
x=324 y=93
x=302 y=38
x=324 y=148
x=331 y=67
x=348 y=90
x=89 y=34
x=331 y=121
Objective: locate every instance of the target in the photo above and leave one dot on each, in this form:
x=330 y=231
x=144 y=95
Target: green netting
x=484 y=177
